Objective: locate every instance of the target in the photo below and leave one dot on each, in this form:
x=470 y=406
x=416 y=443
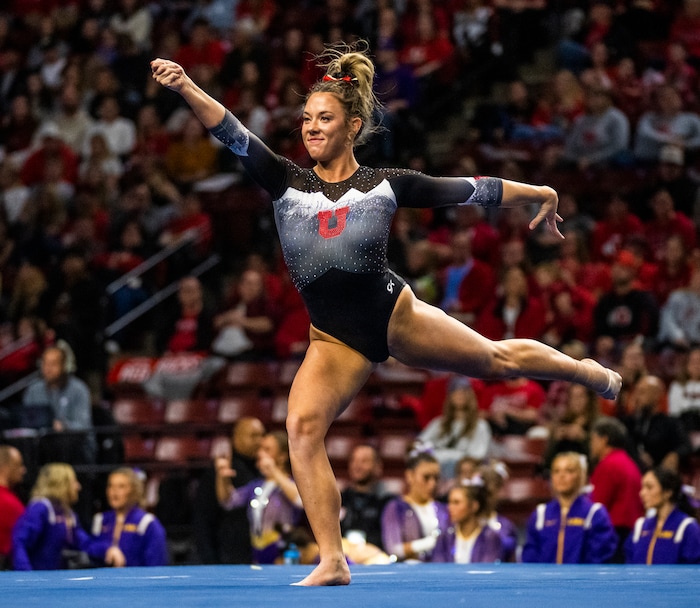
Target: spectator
x=513 y=406
x=247 y=328
x=274 y=505
x=618 y=224
x=680 y=316
x=571 y=431
x=515 y=312
x=17 y=127
x=600 y=136
x=671 y=174
x=71 y=118
x=69 y=401
x=666 y=222
x=616 y=479
x=49 y=529
x=191 y=223
x=412 y=523
x=684 y=393
x=459 y=431
x=203 y=49
x=365 y=497
x=193 y=157
x=658 y=438
x=70 y=306
x=669 y=534
x=223 y=536
x=467 y=283
x=469 y=540
x=624 y=312
x=120 y=132
x=674 y=269
x=102 y=160
x=12 y=472
x=133 y=18
x=570 y=529
x=666 y=123
x=188 y=328
x=129 y=535
x=632 y=367
x=494 y=475
x=51 y=148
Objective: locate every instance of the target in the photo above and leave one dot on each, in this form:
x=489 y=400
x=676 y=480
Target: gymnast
x=333 y=222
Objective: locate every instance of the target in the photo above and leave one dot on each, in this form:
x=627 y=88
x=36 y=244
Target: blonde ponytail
x=350 y=77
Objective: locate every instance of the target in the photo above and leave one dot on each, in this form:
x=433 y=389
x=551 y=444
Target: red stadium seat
x=138 y=412
x=191 y=411
x=182 y=449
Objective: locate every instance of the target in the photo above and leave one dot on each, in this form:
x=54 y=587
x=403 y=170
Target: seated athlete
x=333 y=221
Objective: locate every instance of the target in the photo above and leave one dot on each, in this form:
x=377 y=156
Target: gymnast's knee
x=303 y=427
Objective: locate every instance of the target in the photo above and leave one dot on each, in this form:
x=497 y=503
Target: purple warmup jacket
x=487 y=547
x=142 y=540
x=401 y=524
x=678 y=542
x=42 y=533
x=509 y=536
x=265 y=518
x=588 y=536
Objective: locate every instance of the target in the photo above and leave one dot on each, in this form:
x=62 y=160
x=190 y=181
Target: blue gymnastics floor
x=398 y=585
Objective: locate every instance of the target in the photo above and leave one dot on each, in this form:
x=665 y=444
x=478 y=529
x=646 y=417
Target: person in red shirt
x=616 y=479
x=513 y=405
x=12 y=472
x=515 y=313
x=202 y=49
x=610 y=233
x=52 y=148
x=665 y=223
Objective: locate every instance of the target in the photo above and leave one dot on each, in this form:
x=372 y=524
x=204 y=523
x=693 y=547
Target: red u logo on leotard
x=325 y=216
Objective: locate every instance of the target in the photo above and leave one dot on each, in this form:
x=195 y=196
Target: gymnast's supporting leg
x=424 y=336
x=328 y=379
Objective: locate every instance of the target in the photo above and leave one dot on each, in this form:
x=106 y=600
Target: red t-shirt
x=10 y=510
x=616 y=483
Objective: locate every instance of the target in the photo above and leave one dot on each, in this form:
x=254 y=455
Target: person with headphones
x=67 y=403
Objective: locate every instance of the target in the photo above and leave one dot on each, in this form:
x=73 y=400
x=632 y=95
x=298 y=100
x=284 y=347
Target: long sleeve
x=532 y=550
x=601 y=539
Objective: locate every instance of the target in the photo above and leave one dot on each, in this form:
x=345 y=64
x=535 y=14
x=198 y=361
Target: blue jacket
x=587 y=536
x=677 y=543
x=142 y=540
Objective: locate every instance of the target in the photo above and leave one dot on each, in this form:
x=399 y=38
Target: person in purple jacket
x=669 y=533
x=494 y=475
x=469 y=539
x=412 y=523
x=127 y=535
x=571 y=528
x=49 y=528
x=274 y=505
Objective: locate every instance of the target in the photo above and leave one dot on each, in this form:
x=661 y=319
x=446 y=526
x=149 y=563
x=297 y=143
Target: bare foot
x=612 y=387
x=330 y=573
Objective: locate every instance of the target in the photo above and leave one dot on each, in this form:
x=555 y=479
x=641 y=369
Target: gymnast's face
x=652 y=494
x=325 y=129
x=422 y=481
x=119 y=491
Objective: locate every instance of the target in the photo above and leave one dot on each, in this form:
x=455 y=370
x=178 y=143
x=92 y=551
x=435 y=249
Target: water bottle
x=291 y=555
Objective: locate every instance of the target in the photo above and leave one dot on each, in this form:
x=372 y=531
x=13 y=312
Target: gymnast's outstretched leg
x=424 y=336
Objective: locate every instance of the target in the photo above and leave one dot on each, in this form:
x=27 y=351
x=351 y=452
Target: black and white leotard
x=334 y=236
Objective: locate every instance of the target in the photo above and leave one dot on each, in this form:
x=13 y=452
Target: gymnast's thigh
x=422 y=335
x=328 y=379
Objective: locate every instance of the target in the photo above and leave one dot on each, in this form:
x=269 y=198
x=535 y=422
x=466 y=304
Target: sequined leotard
x=334 y=236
